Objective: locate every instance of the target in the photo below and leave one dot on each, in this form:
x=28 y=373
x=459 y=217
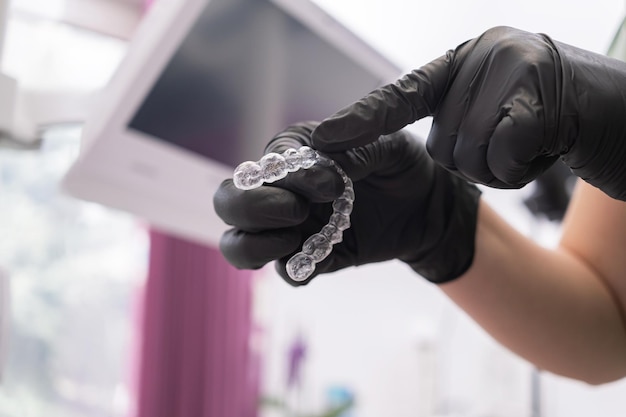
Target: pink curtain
x=195 y=357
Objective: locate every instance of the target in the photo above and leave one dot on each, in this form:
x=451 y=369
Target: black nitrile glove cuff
x=452 y=251
x=592 y=130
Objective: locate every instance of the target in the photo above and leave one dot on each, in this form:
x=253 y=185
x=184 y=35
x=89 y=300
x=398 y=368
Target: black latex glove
x=506 y=105
x=406 y=207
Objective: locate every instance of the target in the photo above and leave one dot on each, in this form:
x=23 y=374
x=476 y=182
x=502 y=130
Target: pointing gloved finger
x=384 y=157
x=386 y=110
x=260 y=208
x=254 y=250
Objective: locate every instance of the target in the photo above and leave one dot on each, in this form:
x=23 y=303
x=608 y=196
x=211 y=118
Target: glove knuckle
x=440 y=152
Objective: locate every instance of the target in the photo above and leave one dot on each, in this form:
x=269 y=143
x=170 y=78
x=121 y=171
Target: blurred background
x=365 y=342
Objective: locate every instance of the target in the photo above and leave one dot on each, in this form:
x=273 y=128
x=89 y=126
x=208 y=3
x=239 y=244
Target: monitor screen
x=244 y=70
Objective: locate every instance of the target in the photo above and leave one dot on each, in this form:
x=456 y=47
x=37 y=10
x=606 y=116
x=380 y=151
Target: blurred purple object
x=296 y=357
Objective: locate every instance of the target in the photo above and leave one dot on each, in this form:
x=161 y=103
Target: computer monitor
x=204 y=86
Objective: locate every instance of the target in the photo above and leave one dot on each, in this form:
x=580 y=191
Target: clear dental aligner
x=273 y=167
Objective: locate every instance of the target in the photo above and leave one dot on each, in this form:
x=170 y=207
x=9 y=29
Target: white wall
x=395 y=340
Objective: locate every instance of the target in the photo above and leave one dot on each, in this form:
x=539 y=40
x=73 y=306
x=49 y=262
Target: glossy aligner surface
x=274 y=166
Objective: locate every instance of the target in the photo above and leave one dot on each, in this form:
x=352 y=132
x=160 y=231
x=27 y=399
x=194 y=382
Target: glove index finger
x=387 y=109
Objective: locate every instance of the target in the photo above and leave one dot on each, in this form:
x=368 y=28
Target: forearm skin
x=548 y=306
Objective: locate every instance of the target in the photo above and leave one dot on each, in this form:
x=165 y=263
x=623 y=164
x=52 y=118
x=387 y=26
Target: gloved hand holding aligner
x=409 y=209
x=273 y=167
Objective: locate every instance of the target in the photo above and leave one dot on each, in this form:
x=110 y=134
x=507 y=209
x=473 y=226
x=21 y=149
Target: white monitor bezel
x=113 y=156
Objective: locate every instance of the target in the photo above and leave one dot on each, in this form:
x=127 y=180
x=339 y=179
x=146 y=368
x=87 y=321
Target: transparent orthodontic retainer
x=273 y=167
